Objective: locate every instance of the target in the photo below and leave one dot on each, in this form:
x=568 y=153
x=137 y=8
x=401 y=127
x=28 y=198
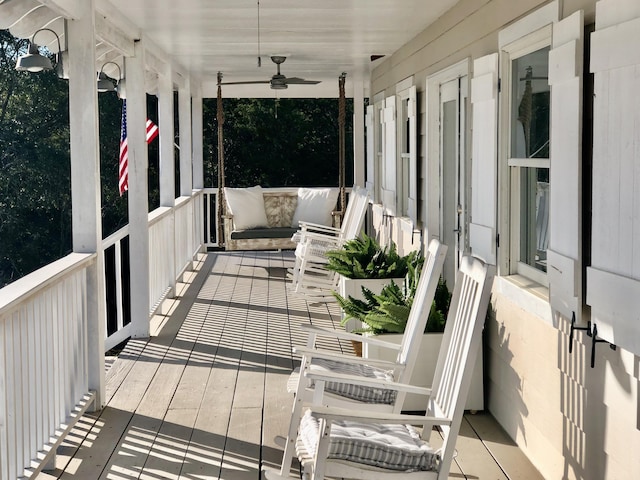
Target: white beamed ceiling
x=321 y=38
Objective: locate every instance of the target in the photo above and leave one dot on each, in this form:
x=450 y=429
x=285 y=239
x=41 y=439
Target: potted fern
x=363 y=262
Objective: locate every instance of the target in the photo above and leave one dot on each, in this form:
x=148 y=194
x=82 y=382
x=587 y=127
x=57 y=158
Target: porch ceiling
x=321 y=39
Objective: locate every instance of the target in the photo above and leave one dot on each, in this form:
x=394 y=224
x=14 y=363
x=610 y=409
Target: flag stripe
x=152 y=131
x=123 y=174
x=123 y=164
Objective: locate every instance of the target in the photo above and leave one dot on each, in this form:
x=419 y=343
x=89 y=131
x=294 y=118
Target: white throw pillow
x=247 y=207
x=315 y=205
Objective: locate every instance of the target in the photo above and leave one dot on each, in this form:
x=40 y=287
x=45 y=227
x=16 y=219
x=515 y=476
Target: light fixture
x=105 y=83
x=33 y=61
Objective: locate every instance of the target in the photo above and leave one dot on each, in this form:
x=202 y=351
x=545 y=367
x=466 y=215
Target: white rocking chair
x=309 y=277
x=361 y=444
x=372 y=377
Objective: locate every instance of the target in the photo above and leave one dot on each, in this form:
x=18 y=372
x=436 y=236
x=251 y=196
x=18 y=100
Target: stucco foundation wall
x=572 y=421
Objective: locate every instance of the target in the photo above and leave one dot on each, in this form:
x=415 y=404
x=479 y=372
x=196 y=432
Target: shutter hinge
x=498 y=240
x=499 y=85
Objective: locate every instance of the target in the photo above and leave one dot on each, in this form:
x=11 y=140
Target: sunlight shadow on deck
x=205 y=397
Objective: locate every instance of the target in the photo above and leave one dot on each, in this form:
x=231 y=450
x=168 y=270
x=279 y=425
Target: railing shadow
x=158 y=448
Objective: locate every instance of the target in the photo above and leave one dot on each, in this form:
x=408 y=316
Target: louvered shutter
x=389 y=180
x=613 y=280
x=484 y=99
x=371 y=154
x=564 y=253
x=413 y=158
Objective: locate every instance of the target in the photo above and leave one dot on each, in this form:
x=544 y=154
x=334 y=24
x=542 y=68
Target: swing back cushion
x=247 y=207
x=315 y=205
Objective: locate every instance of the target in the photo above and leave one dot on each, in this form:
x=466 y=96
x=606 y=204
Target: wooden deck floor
x=205 y=396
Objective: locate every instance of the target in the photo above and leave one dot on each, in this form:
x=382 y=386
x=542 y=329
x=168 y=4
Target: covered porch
x=205 y=397
x=200 y=385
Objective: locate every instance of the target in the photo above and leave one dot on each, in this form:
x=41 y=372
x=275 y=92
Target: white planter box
x=425 y=367
x=353 y=287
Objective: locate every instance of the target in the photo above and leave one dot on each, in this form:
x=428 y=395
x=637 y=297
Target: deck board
x=205 y=397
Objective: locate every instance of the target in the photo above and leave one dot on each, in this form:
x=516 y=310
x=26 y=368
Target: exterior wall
x=572 y=421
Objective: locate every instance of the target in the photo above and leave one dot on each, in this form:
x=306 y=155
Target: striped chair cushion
x=356 y=392
x=395 y=447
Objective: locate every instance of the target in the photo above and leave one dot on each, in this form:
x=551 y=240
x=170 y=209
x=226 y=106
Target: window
x=527 y=145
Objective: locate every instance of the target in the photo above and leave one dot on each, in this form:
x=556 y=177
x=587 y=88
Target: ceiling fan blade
x=300 y=81
x=248 y=82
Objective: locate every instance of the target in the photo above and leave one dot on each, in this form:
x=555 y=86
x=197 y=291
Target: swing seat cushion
x=257 y=233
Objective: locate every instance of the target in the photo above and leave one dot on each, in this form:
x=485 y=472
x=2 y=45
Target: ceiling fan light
x=279 y=86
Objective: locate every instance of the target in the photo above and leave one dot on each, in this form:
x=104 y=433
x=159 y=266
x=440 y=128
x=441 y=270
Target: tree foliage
x=276 y=143
x=35 y=191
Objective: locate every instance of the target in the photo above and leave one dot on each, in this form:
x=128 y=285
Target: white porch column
x=359 y=160
x=184 y=115
x=166 y=127
x=196 y=135
x=85 y=182
x=138 y=192
x=167 y=157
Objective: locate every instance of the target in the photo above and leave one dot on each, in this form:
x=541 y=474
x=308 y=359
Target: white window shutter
x=413 y=158
x=564 y=254
x=613 y=280
x=484 y=99
x=389 y=180
x=371 y=153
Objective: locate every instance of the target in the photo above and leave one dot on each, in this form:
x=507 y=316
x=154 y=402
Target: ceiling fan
x=277 y=81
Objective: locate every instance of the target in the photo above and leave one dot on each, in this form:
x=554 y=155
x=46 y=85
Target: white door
x=453 y=218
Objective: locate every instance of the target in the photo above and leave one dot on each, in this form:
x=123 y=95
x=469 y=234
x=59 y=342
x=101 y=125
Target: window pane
x=530 y=107
x=534 y=218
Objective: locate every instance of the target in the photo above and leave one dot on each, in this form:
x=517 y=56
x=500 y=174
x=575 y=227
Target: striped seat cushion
x=355 y=392
x=395 y=447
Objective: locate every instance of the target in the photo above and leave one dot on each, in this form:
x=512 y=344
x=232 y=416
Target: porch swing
x=257 y=218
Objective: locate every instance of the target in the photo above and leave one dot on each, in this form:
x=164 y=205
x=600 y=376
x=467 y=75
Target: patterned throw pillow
x=279 y=209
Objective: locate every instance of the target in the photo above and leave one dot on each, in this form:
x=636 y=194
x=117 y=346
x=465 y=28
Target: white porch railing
x=43 y=331
x=115 y=249
x=161 y=246
x=210 y=216
x=175 y=236
x=43 y=362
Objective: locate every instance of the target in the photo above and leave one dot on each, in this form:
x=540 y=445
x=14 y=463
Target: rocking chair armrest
x=313 y=329
x=367 y=416
x=366 y=382
x=317 y=227
x=314 y=353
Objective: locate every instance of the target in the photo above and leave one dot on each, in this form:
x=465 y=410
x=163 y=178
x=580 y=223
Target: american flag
x=123 y=171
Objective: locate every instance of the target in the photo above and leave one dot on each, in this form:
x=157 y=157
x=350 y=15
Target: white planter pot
x=353 y=287
x=425 y=367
